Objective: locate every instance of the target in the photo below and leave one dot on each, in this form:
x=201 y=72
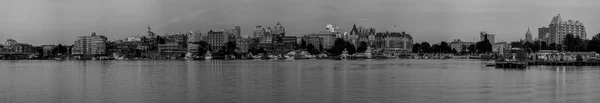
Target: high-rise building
x=236 y=31
x=543 y=33
x=490 y=36
x=278 y=29
x=90 y=45
x=216 y=39
x=559 y=29
x=528 y=37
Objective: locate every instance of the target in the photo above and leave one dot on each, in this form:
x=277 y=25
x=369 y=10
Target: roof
x=581 y=53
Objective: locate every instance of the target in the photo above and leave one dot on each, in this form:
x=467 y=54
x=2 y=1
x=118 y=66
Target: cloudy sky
x=61 y=21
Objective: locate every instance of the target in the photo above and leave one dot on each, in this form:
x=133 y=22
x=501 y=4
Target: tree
x=445 y=48
x=363 y=47
x=573 y=43
x=350 y=48
x=311 y=49
x=303 y=44
x=425 y=47
x=416 y=48
x=594 y=44
x=472 y=48
x=338 y=47
x=552 y=46
x=435 y=48
x=203 y=47
x=454 y=51
x=484 y=46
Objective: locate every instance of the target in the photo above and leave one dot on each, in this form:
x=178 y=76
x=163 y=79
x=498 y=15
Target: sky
x=61 y=21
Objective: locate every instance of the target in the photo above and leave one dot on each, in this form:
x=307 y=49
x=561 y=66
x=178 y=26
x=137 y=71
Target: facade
x=290 y=39
x=397 y=43
x=544 y=34
x=460 y=46
x=313 y=39
x=90 y=45
x=216 y=39
x=133 y=39
x=193 y=38
x=490 y=36
x=361 y=34
x=328 y=39
x=500 y=47
x=172 y=49
x=558 y=29
x=243 y=44
x=235 y=31
x=175 y=45
x=47 y=49
x=528 y=37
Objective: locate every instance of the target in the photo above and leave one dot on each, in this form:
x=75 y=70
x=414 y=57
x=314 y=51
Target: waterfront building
x=279 y=30
x=362 y=34
x=172 y=49
x=491 y=38
x=558 y=29
x=126 y=49
x=500 y=47
x=396 y=43
x=174 y=45
x=528 y=35
x=133 y=39
x=544 y=34
x=313 y=39
x=460 y=46
x=290 y=39
x=193 y=38
x=243 y=44
x=90 y=45
x=258 y=32
x=47 y=49
x=216 y=39
x=235 y=31
x=328 y=39
x=13 y=47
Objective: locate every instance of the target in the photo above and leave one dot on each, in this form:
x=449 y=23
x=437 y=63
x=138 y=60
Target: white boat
x=208 y=56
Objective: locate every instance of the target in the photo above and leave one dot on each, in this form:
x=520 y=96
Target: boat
x=344 y=55
x=208 y=56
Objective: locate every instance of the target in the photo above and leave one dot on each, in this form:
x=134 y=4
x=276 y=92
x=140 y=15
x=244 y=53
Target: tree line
x=570 y=43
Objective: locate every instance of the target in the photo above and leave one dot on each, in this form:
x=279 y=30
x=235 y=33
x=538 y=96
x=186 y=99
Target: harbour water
x=306 y=81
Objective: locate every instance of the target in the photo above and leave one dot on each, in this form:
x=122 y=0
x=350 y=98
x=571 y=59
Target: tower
x=528 y=37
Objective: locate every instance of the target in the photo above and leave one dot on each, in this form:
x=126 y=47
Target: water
x=306 y=81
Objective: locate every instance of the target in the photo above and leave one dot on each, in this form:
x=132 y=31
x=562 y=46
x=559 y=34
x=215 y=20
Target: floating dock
x=511 y=64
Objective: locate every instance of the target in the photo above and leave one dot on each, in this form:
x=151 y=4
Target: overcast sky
x=61 y=21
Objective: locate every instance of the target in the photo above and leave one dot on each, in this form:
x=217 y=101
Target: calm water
x=308 y=81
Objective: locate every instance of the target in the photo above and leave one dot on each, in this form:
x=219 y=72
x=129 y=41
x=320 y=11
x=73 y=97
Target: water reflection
x=292 y=81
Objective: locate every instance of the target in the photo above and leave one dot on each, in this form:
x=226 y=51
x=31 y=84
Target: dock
x=511 y=64
x=565 y=63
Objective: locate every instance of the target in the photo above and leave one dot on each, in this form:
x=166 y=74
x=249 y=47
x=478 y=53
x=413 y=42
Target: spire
x=149 y=27
x=278 y=23
x=528 y=31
